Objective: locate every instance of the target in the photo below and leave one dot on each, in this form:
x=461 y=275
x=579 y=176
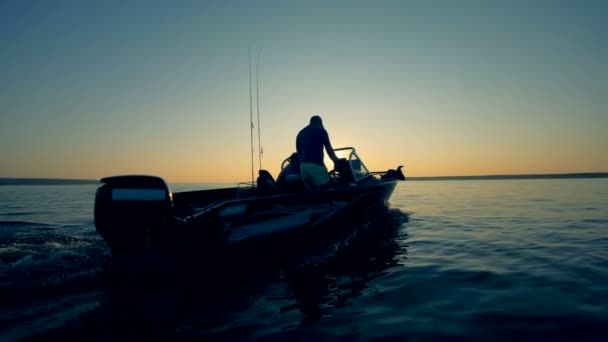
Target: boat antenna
x=251 y=114
x=257 y=90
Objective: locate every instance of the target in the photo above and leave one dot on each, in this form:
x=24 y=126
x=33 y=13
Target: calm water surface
x=453 y=260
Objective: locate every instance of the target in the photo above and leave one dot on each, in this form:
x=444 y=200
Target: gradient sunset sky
x=96 y=88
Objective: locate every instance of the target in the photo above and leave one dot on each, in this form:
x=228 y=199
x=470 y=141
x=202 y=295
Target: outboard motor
x=132 y=213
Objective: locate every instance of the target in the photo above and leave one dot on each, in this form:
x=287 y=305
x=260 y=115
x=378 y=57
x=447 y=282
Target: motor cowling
x=133 y=213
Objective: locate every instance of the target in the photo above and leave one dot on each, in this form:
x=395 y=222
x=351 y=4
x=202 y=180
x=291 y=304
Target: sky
x=90 y=89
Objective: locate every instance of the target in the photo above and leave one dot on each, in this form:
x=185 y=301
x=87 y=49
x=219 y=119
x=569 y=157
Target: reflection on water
x=235 y=302
x=319 y=288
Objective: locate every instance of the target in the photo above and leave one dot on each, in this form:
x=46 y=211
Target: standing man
x=309 y=145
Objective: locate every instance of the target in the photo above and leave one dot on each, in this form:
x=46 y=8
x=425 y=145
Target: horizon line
x=59 y=181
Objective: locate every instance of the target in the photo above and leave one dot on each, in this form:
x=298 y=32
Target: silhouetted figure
x=290 y=173
x=309 y=144
x=265 y=182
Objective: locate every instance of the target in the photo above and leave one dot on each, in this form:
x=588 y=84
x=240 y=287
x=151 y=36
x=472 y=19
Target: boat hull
x=221 y=222
x=304 y=222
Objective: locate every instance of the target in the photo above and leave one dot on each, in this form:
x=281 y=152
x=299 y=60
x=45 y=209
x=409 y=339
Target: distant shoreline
x=46 y=181
x=525 y=176
x=55 y=181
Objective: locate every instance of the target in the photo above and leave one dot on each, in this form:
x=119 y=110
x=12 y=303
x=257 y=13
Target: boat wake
x=46 y=279
x=47 y=265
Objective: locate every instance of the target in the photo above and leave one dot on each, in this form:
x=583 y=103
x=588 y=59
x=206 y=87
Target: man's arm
x=329 y=148
x=330 y=152
x=298 y=146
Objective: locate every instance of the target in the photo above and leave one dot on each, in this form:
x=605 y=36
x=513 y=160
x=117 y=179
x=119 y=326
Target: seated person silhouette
x=265 y=182
x=289 y=179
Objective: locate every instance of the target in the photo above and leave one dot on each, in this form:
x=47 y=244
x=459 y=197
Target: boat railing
x=358 y=170
x=241 y=186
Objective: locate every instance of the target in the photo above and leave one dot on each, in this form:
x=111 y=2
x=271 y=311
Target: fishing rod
x=251 y=115
x=257 y=90
x=257 y=101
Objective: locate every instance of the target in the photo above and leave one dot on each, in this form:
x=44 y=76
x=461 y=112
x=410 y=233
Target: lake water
x=450 y=260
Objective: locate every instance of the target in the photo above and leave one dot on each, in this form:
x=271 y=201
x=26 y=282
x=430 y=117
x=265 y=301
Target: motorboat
x=139 y=215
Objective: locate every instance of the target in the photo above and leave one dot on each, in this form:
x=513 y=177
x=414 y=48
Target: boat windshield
x=359 y=170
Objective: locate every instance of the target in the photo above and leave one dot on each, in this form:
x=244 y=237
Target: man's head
x=316 y=120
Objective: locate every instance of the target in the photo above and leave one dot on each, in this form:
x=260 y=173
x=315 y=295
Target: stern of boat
x=132 y=213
